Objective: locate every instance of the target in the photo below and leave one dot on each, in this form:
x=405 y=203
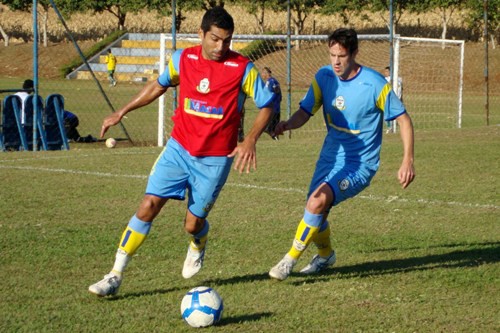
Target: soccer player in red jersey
x=213 y=84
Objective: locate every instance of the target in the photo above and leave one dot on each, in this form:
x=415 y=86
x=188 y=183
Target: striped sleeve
x=170 y=77
x=253 y=86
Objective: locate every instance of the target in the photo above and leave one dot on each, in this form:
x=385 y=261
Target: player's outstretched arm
x=148 y=94
x=246 y=151
x=406 y=172
x=298 y=119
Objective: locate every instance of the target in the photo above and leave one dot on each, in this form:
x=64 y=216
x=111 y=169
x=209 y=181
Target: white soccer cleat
x=106 y=287
x=283 y=268
x=318 y=264
x=193 y=263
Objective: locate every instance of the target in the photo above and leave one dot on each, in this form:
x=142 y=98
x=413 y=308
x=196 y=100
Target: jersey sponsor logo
x=201 y=109
x=344 y=184
x=204 y=86
x=231 y=63
x=339 y=103
x=192 y=56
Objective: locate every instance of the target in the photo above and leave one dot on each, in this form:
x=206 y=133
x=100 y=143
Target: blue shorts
x=346 y=181
x=176 y=171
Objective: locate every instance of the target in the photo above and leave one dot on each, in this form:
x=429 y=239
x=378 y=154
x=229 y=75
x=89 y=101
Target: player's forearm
x=260 y=123
x=407 y=137
x=297 y=120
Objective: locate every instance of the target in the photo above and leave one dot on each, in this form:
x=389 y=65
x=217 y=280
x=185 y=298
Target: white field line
x=387 y=199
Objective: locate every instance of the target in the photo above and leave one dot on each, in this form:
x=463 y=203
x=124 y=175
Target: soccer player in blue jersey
x=356 y=100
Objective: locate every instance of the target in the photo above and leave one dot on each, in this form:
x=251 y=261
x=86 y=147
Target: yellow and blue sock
x=199 y=240
x=306 y=231
x=132 y=238
x=322 y=240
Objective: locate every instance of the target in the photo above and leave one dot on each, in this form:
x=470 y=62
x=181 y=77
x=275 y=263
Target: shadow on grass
x=243 y=319
x=140 y=294
x=482 y=253
x=238 y=279
x=455 y=259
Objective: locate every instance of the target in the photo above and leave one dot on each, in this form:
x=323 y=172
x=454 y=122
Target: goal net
x=431 y=71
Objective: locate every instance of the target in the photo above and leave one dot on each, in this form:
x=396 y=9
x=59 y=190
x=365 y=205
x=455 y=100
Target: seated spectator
x=71 y=122
x=27 y=90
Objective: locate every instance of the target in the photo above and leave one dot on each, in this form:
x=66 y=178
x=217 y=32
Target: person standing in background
x=273 y=85
x=111 y=62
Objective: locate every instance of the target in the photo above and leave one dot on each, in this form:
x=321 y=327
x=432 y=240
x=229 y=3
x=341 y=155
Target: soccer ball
x=110 y=143
x=201 y=307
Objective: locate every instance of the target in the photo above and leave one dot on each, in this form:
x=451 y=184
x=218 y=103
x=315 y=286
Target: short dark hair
x=268 y=70
x=219 y=17
x=347 y=38
x=28 y=84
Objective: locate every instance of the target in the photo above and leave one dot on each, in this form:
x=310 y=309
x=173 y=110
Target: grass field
x=425 y=259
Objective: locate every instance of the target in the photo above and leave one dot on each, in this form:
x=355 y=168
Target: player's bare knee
x=193 y=226
x=316 y=205
x=149 y=208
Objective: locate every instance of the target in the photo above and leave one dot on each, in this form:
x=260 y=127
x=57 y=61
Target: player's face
x=343 y=63
x=215 y=43
x=264 y=75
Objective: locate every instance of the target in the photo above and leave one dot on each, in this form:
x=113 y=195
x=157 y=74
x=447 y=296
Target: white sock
x=121 y=261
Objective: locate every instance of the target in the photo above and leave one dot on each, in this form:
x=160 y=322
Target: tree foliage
x=476 y=17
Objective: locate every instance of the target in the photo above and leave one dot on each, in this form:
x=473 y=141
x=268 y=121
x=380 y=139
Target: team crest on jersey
x=340 y=103
x=204 y=86
x=344 y=184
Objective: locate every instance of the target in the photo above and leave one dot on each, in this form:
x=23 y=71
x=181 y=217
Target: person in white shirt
x=398 y=91
x=28 y=89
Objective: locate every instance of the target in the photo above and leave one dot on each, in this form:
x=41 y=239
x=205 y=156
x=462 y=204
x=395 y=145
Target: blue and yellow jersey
x=354 y=111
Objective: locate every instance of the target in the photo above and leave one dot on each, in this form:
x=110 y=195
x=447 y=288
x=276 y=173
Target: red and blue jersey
x=211 y=98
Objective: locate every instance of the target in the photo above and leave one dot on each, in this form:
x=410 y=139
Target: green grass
x=425 y=259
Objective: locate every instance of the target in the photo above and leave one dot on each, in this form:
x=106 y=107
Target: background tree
x=347 y=9
x=476 y=21
x=258 y=8
x=444 y=8
x=65 y=6
x=399 y=8
x=300 y=9
x=119 y=8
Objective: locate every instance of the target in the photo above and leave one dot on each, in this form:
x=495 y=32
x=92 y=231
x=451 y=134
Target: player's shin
x=306 y=231
x=132 y=238
x=199 y=240
x=322 y=240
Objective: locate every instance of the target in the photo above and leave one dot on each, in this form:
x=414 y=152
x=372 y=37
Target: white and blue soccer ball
x=202 y=307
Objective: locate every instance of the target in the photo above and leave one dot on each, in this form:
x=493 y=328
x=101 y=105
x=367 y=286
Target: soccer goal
x=431 y=71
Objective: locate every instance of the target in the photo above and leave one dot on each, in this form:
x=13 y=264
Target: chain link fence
x=430 y=73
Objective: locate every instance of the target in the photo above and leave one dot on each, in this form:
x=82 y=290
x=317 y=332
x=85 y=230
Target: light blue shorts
x=176 y=171
x=346 y=181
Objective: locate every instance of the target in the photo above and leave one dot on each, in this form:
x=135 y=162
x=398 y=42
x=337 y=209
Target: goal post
x=432 y=54
x=431 y=71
